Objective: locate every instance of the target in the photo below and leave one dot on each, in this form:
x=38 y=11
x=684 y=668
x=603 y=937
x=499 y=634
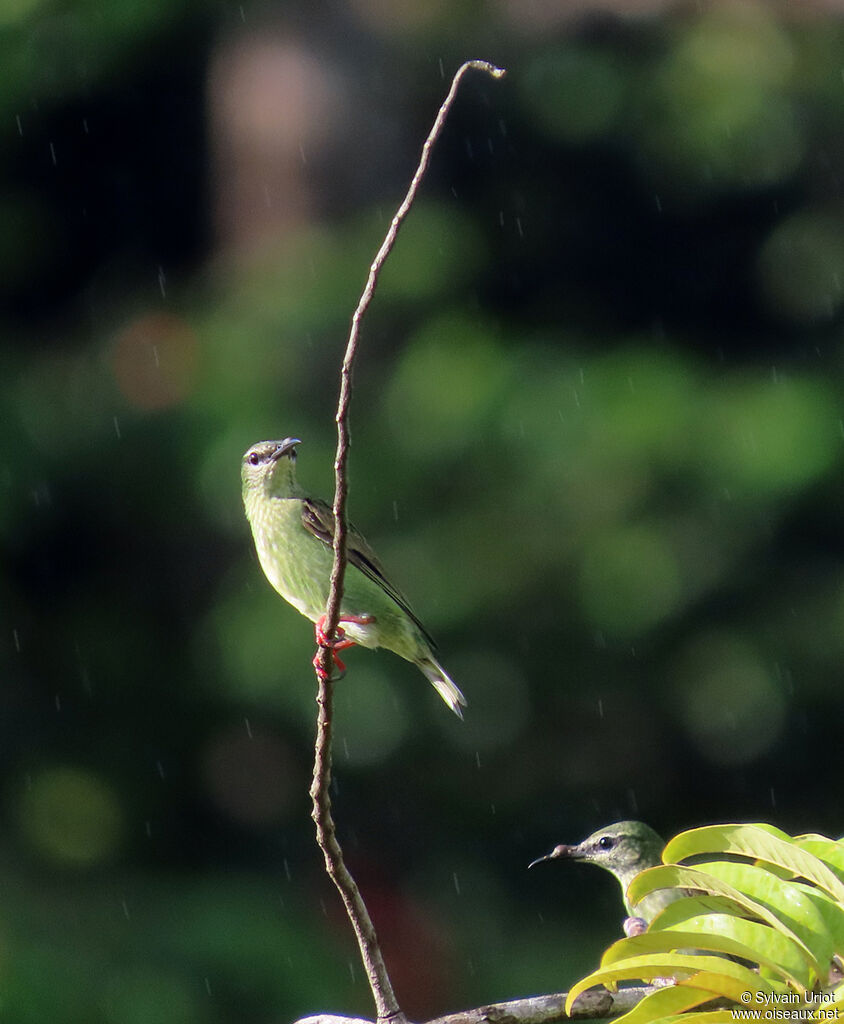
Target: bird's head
x=623 y=849
x=269 y=468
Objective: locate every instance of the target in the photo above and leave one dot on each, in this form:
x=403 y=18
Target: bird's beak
x=559 y=851
x=285 y=446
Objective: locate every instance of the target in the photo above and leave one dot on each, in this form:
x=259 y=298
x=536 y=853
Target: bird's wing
x=318 y=520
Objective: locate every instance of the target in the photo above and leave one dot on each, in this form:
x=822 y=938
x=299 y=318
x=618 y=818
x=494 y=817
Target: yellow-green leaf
x=752 y=890
x=831 y=1010
x=827 y=850
x=793 y=908
x=722 y=933
x=704 y=1017
x=760 y=842
x=715 y=974
x=831 y=912
x=722 y=984
x=664 y=1001
x=687 y=907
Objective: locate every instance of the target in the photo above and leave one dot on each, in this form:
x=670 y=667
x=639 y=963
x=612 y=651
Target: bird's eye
x=253 y=458
x=606 y=842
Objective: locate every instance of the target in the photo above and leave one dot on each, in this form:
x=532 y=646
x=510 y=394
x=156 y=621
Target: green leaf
x=833 y=1009
x=831 y=912
x=752 y=890
x=704 y=1017
x=688 y=907
x=760 y=842
x=827 y=850
x=665 y=1001
x=716 y=975
x=722 y=933
x=793 y=908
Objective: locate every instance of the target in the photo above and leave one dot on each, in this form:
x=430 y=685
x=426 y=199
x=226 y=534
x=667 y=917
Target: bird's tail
x=443 y=684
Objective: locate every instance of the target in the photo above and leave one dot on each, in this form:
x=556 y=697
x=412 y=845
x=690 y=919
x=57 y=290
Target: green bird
x=623 y=849
x=293 y=537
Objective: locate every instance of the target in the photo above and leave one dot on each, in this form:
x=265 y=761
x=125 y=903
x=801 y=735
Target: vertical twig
x=386 y=1005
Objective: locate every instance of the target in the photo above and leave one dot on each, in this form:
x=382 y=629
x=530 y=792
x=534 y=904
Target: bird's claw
x=329 y=676
x=338 y=642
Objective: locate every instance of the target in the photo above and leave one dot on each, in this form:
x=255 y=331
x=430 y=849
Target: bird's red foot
x=339 y=642
x=321 y=671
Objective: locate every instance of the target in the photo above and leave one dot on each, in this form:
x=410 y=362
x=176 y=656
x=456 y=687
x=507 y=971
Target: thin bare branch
x=548 y=1009
x=386 y=1004
x=338 y=571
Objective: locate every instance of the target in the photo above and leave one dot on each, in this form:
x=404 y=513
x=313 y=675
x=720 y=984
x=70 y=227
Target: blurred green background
x=597 y=439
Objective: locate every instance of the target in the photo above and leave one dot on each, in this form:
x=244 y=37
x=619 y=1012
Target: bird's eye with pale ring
x=605 y=842
x=253 y=459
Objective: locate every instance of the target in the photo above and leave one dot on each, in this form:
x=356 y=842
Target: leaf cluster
x=757 y=928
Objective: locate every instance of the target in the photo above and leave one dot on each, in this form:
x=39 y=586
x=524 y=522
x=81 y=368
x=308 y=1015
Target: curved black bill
x=285 y=447
x=559 y=851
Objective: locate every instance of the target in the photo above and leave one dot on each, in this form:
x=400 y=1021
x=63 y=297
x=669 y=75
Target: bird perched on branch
x=623 y=849
x=293 y=537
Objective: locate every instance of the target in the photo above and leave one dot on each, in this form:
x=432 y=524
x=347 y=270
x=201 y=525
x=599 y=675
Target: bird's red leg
x=340 y=641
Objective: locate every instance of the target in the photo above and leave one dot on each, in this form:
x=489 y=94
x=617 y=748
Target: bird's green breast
x=298 y=565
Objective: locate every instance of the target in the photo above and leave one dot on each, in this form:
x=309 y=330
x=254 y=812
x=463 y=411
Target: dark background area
x=597 y=438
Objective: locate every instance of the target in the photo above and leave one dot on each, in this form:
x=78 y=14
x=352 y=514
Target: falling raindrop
x=456 y=883
x=16 y=640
